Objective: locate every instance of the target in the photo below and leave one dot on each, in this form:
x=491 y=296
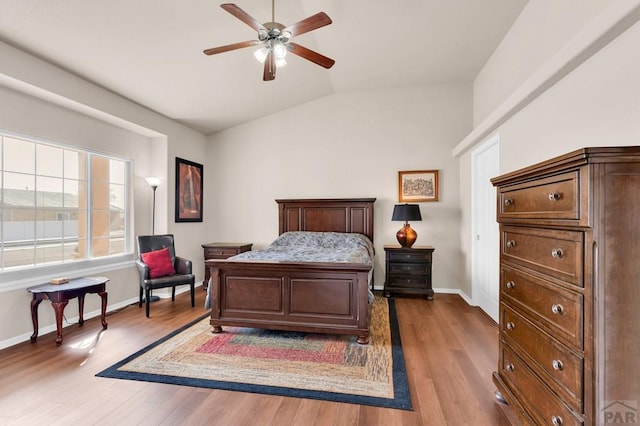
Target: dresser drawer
x=558 y=310
x=408 y=256
x=553 y=252
x=542 y=404
x=554 y=197
x=547 y=354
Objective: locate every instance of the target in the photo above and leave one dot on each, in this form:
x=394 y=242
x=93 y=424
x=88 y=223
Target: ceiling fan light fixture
x=281 y=62
x=261 y=54
x=280 y=50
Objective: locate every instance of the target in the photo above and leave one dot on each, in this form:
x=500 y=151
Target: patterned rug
x=302 y=365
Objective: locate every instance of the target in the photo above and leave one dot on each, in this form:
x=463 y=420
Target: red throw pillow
x=159 y=263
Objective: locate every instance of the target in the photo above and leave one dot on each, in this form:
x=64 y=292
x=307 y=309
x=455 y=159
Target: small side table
x=221 y=251
x=60 y=294
x=408 y=270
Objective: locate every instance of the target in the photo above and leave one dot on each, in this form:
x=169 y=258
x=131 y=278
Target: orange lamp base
x=406 y=236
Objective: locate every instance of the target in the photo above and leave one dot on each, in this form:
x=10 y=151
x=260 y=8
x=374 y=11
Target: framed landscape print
x=188 y=191
x=418 y=186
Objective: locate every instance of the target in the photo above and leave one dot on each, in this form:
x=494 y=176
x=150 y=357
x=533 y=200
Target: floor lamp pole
x=154 y=186
x=153 y=215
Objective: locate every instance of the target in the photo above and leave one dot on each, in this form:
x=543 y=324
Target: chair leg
x=147 y=300
x=193 y=295
x=140 y=299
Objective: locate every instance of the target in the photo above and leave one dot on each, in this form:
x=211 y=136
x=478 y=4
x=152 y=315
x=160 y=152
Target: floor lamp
x=153 y=183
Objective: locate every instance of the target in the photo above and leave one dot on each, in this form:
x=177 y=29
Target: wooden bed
x=299 y=296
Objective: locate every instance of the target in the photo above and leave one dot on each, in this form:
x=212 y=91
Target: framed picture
x=188 y=191
x=418 y=186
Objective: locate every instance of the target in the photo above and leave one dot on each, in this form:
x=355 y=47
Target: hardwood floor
x=450 y=351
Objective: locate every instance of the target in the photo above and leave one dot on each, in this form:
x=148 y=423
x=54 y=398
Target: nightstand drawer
x=409 y=268
x=409 y=256
x=219 y=253
x=407 y=282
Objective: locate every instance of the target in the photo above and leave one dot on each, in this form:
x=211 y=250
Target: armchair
x=159 y=267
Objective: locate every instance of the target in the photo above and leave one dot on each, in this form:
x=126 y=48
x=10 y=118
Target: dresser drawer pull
x=511 y=284
x=557 y=309
x=508 y=201
x=554 y=196
x=557 y=365
x=509 y=367
x=556 y=420
x=510 y=325
x=557 y=253
x=511 y=243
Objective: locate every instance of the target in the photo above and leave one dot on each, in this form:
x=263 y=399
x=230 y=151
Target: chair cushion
x=159 y=263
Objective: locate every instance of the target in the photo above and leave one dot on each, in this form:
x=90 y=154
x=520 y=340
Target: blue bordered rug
x=302 y=365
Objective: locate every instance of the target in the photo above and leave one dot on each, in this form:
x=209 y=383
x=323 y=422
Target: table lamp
x=404 y=213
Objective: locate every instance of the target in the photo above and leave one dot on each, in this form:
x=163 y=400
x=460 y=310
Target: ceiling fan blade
x=228 y=47
x=311 y=23
x=243 y=16
x=269 y=67
x=310 y=55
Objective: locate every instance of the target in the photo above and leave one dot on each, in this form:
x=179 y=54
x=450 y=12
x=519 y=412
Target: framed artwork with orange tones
x=417 y=186
x=188 y=191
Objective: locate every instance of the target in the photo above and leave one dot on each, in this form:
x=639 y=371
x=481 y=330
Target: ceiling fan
x=275 y=39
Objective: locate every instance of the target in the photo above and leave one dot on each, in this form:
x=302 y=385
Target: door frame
x=475 y=206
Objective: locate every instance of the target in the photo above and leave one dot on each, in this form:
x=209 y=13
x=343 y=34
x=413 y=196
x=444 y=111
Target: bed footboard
x=297 y=296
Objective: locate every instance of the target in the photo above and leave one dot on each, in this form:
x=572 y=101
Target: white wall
x=597 y=104
x=40 y=100
x=346 y=145
x=541 y=30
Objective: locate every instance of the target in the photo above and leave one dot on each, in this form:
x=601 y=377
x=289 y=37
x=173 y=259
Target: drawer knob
x=510 y=325
x=511 y=284
x=557 y=365
x=511 y=243
x=557 y=309
x=557 y=253
x=509 y=367
x=554 y=196
x=508 y=201
x=556 y=420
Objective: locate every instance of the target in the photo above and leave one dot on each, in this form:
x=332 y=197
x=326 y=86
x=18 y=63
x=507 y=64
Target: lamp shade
x=153 y=182
x=406 y=212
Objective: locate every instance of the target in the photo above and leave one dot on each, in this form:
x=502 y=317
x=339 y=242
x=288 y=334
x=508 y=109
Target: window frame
x=21 y=277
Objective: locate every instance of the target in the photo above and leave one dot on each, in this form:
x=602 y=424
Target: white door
x=486 y=241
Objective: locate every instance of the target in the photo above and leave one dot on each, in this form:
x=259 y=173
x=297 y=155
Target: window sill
x=20 y=279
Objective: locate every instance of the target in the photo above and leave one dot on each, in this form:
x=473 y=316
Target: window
x=59 y=204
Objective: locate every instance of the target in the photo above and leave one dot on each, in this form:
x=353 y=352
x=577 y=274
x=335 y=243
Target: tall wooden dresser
x=569 y=351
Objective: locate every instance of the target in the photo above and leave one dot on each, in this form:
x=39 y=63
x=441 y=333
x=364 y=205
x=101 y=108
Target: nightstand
x=408 y=270
x=221 y=251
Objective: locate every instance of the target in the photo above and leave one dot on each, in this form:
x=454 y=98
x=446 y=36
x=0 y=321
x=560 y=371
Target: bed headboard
x=327 y=215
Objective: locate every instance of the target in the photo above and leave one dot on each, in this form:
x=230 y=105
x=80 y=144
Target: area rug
x=302 y=365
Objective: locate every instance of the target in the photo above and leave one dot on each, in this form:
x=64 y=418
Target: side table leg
x=58 y=307
x=34 y=317
x=81 y=310
x=103 y=314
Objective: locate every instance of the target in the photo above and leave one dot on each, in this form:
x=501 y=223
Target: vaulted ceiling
x=150 y=51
